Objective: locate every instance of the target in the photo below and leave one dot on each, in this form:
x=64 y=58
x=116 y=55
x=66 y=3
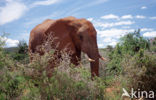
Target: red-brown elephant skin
x=74 y=34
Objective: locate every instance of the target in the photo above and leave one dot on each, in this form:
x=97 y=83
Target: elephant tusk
x=102 y=58
x=91 y=60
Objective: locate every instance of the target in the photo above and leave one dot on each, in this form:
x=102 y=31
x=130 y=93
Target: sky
x=112 y=19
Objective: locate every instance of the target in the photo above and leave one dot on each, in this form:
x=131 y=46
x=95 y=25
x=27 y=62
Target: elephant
x=79 y=34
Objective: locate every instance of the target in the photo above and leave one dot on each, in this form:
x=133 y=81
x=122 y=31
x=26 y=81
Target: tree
x=110 y=48
x=133 y=42
x=22 y=47
x=22 y=51
x=129 y=44
x=153 y=44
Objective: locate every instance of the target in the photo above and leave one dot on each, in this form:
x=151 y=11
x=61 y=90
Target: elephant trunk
x=94 y=64
x=94 y=68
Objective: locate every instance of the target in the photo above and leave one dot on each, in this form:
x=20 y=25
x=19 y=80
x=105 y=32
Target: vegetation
x=153 y=45
x=134 y=61
x=130 y=44
x=29 y=81
x=132 y=64
x=20 y=53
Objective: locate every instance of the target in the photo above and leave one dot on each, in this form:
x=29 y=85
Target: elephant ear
x=78 y=25
x=75 y=24
x=77 y=29
x=60 y=31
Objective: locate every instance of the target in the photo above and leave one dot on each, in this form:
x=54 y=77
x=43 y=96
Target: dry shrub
x=68 y=82
x=140 y=71
x=12 y=82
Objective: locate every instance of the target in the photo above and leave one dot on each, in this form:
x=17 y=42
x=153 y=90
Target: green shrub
x=140 y=70
x=131 y=65
x=11 y=83
x=22 y=52
x=18 y=57
x=30 y=81
x=129 y=44
x=66 y=83
x=153 y=45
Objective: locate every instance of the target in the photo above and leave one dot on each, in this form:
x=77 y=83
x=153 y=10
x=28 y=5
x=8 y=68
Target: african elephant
x=78 y=34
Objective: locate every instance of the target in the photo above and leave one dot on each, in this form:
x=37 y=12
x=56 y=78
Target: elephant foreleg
x=76 y=58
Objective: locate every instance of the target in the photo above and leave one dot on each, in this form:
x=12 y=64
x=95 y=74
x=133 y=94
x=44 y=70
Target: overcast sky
x=111 y=18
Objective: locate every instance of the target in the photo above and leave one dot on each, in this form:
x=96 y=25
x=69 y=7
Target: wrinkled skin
x=74 y=34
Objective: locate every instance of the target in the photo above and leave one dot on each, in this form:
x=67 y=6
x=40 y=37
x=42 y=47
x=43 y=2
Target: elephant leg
x=50 y=68
x=54 y=62
x=76 y=58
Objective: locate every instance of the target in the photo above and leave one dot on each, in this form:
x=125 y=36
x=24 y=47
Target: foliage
x=131 y=65
x=22 y=47
x=129 y=44
x=2 y=43
x=134 y=60
x=140 y=70
x=30 y=81
x=11 y=83
x=66 y=83
x=21 y=54
x=110 y=48
x=153 y=45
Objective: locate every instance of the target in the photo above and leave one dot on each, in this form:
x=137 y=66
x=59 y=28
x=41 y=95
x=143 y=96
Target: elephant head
x=78 y=34
x=85 y=39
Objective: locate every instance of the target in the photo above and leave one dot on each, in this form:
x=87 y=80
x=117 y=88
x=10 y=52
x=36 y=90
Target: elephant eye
x=81 y=38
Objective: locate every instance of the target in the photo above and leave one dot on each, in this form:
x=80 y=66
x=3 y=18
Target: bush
x=30 y=81
x=131 y=65
x=140 y=70
x=11 y=83
x=133 y=60
x=129 y=44
x=153 y=45
x=22 y=52
x=66 y=83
